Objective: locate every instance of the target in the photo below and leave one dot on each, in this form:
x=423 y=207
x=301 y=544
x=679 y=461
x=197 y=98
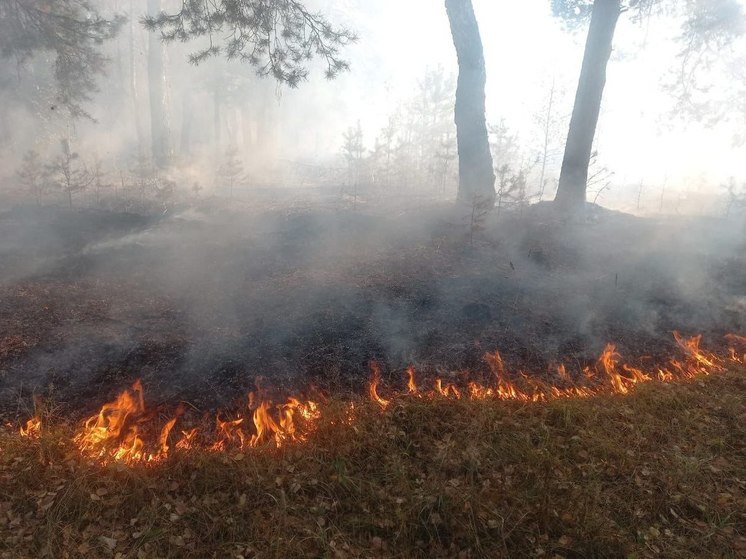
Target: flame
x=609 y=375
x=228 y=432
x=375 y=380
x=32 y=429
x=411 y=385
x=735 y=340
x=562 y=373
x=691 y=347
x=123 y=430
x=187 y=440
x=114 y=425
x=449 y=390
x=621 y=383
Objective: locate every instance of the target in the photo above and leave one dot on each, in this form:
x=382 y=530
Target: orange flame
x=735 y=340
x=123 y=430
x=32 y=429
x=114 y=425
x=375 y=380
x=609 y=375
x=187 y=440
x=691 y=347
x=449 y=390
x=411 y=384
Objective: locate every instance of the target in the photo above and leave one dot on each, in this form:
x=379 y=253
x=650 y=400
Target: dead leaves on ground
x=657 y=474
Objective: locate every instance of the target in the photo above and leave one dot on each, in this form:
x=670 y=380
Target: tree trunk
x=217 y=100
x=158 y=117
x=547 y=132
x=476 y=173
x=133 y=83
x=574 y=174
x=187 y=117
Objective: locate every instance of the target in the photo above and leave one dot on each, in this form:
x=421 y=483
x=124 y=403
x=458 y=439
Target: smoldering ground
x=199 y=303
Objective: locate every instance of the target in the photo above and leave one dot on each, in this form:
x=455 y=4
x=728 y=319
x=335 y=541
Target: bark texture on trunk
x=476 y=173
x=159 y=130
x=574 y=174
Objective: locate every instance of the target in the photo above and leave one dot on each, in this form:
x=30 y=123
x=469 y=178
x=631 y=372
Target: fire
x=609 y=375
x=736 y=340
x=187 y=440
x=691 y=347
x=375 y=380
x=32 y=429
x=120 y=430
x=411 y=384
x=621 y=381
x=124 y=430
x=448 y=390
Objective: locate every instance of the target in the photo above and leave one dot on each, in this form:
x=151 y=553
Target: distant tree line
x=65 y=39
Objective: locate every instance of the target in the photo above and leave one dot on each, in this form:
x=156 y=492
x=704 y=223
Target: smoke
x=266 y=250
x=202 y=302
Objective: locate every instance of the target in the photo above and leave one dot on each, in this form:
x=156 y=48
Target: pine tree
x=277 y=37
x=353 y=151
x=71 y=30
x=231 y=169
x=32 y=175
x=68 y=174
x=99 y=178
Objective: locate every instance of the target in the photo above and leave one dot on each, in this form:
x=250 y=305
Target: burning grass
x=124 y=430
x=523 y=471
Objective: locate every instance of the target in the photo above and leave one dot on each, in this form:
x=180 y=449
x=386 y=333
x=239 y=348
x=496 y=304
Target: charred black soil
x=200 y=303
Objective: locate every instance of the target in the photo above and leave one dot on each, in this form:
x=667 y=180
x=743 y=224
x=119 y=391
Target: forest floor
x=205 y=305
x=199 y=303
x=659 y=473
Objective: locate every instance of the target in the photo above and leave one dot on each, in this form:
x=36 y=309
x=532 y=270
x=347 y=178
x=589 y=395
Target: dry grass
x=660 y=473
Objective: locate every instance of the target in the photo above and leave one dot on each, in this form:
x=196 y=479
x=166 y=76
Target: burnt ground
x=200 y=302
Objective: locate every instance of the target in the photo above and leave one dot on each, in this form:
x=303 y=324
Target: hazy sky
x=525 y=49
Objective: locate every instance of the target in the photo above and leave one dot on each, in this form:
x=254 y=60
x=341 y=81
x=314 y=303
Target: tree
x=99 y=178
x=476 y=174
x=277 y=37
x=548 y=123
x=710 y=25
x=67 y=173
x=712 y=47
x=573 y=180
x=353 y=150
x=231 y=170
x=133 y=82
x=159 y=128
x=736 y=196
x=31 y=174
x=72 y=30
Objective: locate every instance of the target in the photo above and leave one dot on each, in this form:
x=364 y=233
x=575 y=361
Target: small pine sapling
x=480 y=208
x=100 y=179
x=67 y=173
x=33 y=175
x=736 y=196
x=353 y=151
x=231 y=170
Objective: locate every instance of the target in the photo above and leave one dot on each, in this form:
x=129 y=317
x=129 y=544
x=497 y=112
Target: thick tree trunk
x=476 y=173
x=574 y=174
x=159 y=132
